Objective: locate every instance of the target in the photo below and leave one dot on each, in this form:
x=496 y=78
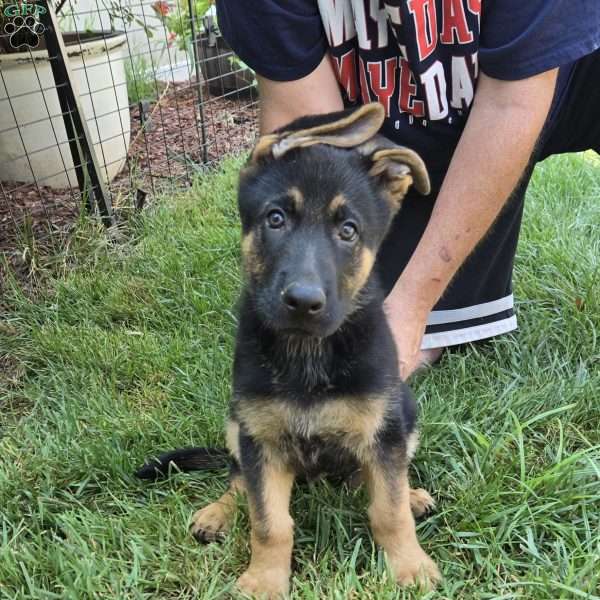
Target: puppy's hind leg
x=420 y=501
x=213 y=522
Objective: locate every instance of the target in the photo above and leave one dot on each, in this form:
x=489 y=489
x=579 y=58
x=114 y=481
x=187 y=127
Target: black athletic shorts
x=479 y=304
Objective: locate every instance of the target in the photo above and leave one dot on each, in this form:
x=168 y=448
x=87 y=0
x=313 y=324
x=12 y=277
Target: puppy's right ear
x=346 y=129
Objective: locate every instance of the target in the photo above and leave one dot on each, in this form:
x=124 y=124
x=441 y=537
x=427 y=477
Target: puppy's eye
x=348 y=231
x=275 y=219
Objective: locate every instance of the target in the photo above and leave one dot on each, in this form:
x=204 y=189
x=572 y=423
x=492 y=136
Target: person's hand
x=407 y=322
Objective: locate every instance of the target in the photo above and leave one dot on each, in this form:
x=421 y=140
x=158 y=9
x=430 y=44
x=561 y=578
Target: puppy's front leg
x=393 y=524
x=268 y=485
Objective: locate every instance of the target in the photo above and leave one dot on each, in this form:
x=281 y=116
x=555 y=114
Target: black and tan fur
x=316 y=389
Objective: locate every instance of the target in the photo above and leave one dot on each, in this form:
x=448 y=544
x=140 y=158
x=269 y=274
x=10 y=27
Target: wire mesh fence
x=162 y=96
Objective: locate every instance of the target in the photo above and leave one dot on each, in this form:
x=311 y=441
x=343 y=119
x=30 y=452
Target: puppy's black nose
x=304 y=299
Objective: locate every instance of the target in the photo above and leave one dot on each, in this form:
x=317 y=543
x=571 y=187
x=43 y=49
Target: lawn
x=126 y=351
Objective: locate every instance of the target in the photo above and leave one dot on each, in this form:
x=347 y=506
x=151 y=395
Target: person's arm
x=284 y=101
x=504 y=124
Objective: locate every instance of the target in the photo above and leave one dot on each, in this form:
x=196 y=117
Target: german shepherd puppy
x=316 y=388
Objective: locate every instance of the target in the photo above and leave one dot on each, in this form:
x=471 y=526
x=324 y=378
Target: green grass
x=128 y=352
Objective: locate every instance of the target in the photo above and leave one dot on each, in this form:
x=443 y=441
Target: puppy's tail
x=185 y=459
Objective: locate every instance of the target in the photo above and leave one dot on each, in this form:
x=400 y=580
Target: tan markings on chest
x=353 y=423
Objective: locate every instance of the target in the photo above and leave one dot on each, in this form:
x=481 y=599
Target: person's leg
x=576 y=126
x=478 y=304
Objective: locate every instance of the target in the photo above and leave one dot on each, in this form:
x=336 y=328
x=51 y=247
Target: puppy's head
x=315 y=201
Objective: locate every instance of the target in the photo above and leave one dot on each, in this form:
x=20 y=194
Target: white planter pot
x=31 y=121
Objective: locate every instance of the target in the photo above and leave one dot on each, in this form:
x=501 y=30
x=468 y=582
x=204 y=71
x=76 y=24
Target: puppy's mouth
x=298 y=331
x=316 y=329
x=302 y=332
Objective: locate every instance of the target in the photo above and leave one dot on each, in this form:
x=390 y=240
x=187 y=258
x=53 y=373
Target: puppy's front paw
x=270 y=584
x=421 y=501
x=211 y=523
x=416 y=568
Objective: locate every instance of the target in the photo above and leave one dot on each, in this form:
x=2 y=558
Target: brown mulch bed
x=166 y=150
x=171 y=144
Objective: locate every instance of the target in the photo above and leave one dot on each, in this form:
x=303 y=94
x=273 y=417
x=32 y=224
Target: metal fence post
x=196 y=41
x=80 y=140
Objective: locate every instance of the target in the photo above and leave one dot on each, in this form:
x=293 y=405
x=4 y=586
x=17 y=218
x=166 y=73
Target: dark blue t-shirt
x=419 y=58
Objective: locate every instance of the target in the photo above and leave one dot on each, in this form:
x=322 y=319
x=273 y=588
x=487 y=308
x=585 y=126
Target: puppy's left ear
x=344 y=129
x=396 y=168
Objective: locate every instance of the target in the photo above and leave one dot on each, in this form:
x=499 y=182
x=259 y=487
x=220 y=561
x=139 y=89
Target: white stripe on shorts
x=439 y=317
x=452 y=337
